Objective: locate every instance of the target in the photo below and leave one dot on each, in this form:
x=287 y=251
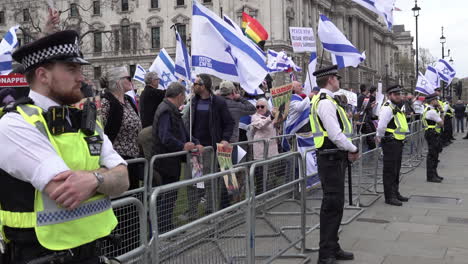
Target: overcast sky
x=452 y=14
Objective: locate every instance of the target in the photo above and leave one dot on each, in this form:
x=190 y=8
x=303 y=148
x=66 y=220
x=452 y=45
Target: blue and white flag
x=140 y=73
x=311 y=81
x=220 y=50
x=445 y=70
x=424 y=86
x=165 y=68
x=8 y=43
x=296 y=119
x=280 y=61
x=305 y=143
x=182 y=60
x=344 y=54
x=432 y=76
x=383 y=8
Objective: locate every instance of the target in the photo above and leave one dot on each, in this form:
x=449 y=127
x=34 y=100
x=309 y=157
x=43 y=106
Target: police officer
x=448 y=126
x=332 y=130
x=433 y=124
x=442 y=110
x=391 y=132
x=57 y=172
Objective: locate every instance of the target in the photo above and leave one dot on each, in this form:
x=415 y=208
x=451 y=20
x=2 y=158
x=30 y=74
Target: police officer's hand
x=74 y=188
x=353 y=156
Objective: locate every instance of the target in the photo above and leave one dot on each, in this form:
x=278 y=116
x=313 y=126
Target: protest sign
x=225 y=163
x=281 y=97
x=302 y=39
x=352 y=97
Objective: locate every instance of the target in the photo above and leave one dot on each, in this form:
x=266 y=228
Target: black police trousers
x=434 y=146
x=331 y=169
x=392 y=152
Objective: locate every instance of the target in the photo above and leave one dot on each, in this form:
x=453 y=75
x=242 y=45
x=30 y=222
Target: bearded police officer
x=58 y=168
x=332 y=131
x=433 y=124
x=391 y=132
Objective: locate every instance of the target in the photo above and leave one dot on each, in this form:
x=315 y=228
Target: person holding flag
x=433 y=124
x=332 y=130
x=391 y=132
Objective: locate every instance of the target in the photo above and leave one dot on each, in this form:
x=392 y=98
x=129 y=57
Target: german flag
x=253 y=29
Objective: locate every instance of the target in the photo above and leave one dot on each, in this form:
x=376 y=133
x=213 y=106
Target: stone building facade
x=130 y=32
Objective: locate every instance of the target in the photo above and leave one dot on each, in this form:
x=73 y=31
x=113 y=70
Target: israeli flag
x=8 y=43
x=344 y=54
x=424 y=86
x=432 y=76
x=165 y=68
x=140 y=73
x=182 y=60
x=445 y=70
x=296 y=120
x=220 y=50
x=383 y=8
x=311 y=81
x=305 y=143
x=279 y=62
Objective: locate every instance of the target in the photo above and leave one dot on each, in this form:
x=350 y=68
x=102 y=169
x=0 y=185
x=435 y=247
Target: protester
x=459 y=108
x=210 y=124
x=299 y=110
x=365 y=106
x=150 y=98
x=332 y=131
x=237 y=106
x=170 y=135
x=391 y=132
x=120 y=119
x=433 y=124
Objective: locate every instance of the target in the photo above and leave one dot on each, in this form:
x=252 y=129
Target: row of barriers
x=273 y=214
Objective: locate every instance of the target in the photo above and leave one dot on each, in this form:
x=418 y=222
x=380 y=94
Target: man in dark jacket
x=150 y=98
x=460 y=115
x=211 y=123
x=170 y=135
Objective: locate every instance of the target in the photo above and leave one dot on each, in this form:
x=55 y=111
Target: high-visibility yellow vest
x=450 y=110
x=430 y=124
x=318 y=131
x=401 y=125
x=58 y=228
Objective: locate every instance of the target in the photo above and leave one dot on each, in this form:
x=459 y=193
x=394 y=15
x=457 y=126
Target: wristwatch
x=99 y=178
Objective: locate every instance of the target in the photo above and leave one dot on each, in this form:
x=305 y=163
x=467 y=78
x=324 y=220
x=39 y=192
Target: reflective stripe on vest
x=320 y=133
x=426 y=124
x=401 y=124
x=58 y=228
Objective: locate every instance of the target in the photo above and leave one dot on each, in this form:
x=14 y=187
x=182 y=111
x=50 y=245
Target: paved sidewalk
x=419 y=232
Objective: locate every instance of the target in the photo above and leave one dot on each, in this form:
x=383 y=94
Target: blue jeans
x=460 y=124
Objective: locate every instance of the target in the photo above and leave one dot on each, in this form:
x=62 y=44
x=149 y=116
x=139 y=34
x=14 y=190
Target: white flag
x=445 y=70
x=424 y=86
x=432 y=76
x=220 y=50
x=383 y=8
x=8 y=43
x=311 y=81
x=164 y=66
x=182 y=60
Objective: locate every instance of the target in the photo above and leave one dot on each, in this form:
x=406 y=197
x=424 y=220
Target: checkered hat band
x=50 y=52
x=326 y=73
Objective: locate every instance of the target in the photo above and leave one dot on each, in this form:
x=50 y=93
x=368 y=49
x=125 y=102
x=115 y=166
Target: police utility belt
x=332 y=154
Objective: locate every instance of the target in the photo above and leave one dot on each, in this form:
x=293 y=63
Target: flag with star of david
x=445 y=70
x=424 y=86
x=165 y=67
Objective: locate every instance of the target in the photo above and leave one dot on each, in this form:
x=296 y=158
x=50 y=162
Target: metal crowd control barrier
x=219 y=237
x=130 y=235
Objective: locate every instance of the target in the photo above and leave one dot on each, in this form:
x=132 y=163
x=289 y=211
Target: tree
x=425 y=59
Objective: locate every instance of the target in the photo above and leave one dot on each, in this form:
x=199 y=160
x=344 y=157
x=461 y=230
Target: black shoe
x=327 y=261
x=344 y=255
x=401 y=198
x=436 y=180
x=439 y=177
x=465 y=137
x=394 y=201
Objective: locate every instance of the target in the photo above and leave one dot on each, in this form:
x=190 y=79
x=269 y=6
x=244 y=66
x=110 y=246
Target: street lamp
x=416 y=10
x=442 y=41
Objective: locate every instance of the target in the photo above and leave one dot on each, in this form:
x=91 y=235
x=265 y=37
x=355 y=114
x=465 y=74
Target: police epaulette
x=386 y=104
x=11 y=107
x=323 y=96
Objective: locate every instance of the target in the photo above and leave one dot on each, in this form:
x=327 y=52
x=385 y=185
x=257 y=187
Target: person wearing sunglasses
x=263 y=128
x=120 y=118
